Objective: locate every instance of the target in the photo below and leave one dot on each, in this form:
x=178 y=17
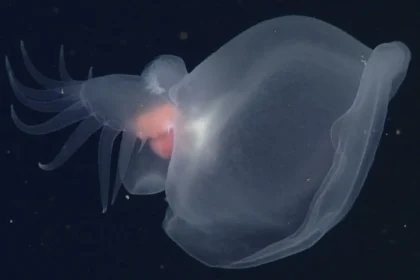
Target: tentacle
x=126 y=149
x=69 y=116
x=39 y=94
x=64 y=74
x=106 y=143
x=20 y=90
x=82 y=133
x=38 y=76
x=90 y=75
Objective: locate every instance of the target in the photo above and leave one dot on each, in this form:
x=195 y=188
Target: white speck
x=127 y=197
x=11 y=221
x=398 y=132
x=363 y=60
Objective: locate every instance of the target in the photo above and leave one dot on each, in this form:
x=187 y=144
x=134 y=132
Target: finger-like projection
x=136 y=106
x=261 y=149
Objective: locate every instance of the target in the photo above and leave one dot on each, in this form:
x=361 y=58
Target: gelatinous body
x=275 y=135
x=261 y=149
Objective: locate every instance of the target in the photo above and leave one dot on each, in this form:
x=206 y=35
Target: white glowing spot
x=363 y=60
x=199 y=128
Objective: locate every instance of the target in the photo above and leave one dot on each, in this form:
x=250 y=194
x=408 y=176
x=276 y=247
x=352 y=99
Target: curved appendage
x=64 y=74
x=38 y=76
x=50 y=101
x=90 y=75
x=82 y=133
x=106 y=143
x=69 y=116
x=126 y=149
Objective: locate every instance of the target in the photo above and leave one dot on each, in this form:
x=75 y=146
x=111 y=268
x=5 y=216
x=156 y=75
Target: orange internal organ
x=156 y=127
x=163 y=145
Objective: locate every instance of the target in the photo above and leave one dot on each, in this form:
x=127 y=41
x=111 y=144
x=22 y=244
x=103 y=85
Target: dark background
x=52 y=226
